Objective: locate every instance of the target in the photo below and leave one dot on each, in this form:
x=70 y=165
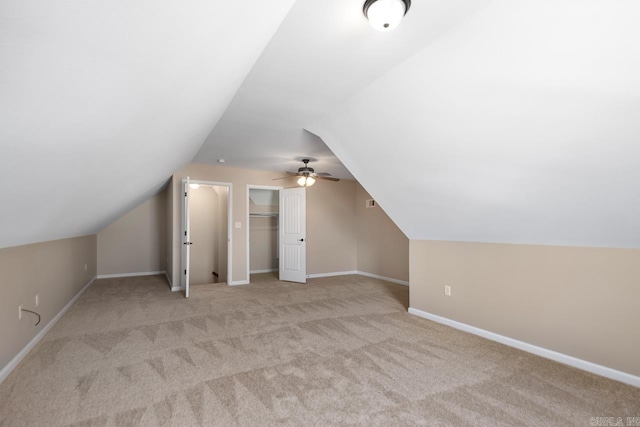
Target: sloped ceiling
x=324 y=52
x=475 y=120
x=520 y=125
x=264 y=197
x=101 y=101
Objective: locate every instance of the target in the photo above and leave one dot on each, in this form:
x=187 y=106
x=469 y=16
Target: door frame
x=185 y=236
x=229 y=227
x=256 y=187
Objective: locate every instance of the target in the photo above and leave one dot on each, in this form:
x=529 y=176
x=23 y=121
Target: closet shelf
x=263 y=215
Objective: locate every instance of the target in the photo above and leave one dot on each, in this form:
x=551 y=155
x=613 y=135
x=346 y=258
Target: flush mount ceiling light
x=385 y=15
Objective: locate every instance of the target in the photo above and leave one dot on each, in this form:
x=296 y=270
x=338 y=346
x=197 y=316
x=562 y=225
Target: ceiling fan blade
x=282 y=177
x=328 y=178
x=323 y=174
x=293 y=173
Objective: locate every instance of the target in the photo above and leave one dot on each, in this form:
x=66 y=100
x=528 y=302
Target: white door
x=186 y=236
x=293 y=239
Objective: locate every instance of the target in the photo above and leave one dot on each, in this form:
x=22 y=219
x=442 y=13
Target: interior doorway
x=262 y=230
x=207 y=231
x=209 y=223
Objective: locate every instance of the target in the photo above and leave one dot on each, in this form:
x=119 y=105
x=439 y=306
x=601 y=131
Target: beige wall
x=331 y=241
x=136 y=242
x=223 y=233
x=331 y=225
x=263 y=242
x=54 y=270
x=582 y=302
x=382 y=248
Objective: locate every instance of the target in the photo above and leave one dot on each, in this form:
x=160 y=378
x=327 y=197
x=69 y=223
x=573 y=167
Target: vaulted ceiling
x=520 y=125
x=323 y=53
x=101 y=101
x=502 y=121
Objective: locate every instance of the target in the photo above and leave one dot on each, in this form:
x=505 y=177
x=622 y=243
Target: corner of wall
x=56 y=271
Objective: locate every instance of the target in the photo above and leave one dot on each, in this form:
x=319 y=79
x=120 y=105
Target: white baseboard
x=386 y=279
x=269 y=270
x=362 y=273
x=530 y=348
x=333 y=274
x=143 y=273
x=4 y=373
x=238 y=282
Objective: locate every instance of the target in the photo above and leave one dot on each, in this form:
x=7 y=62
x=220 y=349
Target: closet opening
x=263 y=207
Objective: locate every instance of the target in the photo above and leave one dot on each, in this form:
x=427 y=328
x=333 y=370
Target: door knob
x=301 y=240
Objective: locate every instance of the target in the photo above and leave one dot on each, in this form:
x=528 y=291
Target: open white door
x=293 y=229
x=186 y=236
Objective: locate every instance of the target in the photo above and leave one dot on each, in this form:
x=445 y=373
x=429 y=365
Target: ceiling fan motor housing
x=305 y=170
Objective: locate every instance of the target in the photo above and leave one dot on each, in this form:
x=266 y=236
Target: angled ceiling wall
x=520 y=125
x=510 y=121
x=102 y=101
x=323 y=53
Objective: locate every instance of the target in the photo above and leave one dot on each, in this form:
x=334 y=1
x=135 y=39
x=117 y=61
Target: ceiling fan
x=307 y=176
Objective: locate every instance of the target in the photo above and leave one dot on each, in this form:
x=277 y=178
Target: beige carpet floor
x=337 y=351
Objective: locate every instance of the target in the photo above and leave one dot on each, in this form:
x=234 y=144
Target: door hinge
x=185 y=272
x=185 y=233
x=185 y=194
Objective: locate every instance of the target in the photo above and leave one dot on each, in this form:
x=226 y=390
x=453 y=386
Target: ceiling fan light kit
x=385 y=15
x=306 y=181
x=306 y=176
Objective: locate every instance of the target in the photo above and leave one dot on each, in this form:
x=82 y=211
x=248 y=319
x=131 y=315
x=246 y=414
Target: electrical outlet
x=85 y=267
x=447 y=290
x=19 y=312
x=37 y=300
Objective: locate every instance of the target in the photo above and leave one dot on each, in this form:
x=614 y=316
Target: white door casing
x=186 y=236
x=293 y=239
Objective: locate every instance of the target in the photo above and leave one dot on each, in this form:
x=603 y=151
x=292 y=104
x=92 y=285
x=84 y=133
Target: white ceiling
x=324 y=52
x=520 y=125
x=101 y=101
x=503 y=121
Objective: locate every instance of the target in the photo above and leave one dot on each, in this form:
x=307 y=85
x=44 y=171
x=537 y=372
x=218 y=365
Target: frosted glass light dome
x=306 y=181
x=385 y=15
